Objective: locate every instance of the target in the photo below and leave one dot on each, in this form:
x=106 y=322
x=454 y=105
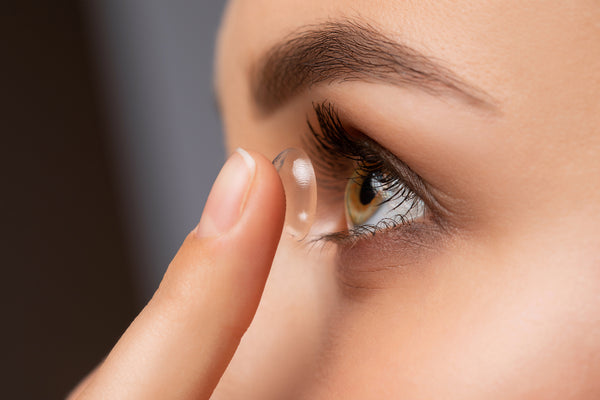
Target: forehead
x=251 y=27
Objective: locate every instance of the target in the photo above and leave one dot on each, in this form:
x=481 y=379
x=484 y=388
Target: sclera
x=300 y=185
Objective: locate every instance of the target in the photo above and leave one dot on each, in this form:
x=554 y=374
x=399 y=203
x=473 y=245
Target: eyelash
x=336 y=152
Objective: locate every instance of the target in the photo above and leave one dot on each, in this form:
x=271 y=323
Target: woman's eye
x=372 y=199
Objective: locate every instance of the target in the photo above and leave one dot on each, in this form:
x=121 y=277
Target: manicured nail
x=227 y=197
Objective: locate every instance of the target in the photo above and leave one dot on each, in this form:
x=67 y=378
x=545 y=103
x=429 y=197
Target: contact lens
x=300 y=185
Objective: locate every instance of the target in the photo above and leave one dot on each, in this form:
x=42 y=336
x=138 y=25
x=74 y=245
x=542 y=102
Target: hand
x=182 y=341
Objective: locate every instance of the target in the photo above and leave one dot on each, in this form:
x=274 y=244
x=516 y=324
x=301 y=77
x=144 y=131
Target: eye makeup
x=355 y=170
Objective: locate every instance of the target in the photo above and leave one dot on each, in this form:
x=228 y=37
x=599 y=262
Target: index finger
x=181 y=343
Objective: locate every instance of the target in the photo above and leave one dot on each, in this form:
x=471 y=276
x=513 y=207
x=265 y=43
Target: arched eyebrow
x=351 y=51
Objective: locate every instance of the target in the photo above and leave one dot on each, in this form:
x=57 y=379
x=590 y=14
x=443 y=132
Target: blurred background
x=110 y=143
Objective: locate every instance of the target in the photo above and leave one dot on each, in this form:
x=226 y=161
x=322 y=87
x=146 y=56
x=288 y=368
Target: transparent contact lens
x=300 y=185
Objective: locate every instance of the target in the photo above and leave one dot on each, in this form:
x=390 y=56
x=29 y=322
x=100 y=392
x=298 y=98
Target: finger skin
x=181 y=343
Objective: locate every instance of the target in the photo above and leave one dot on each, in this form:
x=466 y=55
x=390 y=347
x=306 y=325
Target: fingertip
x=239 y=260
x=266 y=198
x=252 y=243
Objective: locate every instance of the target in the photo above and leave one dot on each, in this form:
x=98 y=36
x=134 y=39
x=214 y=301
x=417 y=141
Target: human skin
x=504 y=305
x=497 y=298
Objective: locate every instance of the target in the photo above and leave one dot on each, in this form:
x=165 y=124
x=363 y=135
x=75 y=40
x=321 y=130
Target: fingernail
x=227 y=197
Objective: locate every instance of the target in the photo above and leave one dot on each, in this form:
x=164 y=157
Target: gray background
x=155 y=60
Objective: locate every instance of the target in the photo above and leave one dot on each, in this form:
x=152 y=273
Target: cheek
x=516 y=326
x=278 y=354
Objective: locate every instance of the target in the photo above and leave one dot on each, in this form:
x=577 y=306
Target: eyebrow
x=351 y=51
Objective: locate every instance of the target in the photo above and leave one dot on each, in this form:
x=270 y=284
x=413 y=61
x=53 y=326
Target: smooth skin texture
x=504 y=305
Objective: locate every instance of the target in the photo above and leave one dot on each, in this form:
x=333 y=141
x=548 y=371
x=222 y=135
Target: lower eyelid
x=361 y=277
x=376 y=261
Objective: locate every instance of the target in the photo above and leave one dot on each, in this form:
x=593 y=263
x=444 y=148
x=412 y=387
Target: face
x=457 y=153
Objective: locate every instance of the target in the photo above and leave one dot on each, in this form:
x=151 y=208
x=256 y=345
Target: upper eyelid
x=411 y=179
x=416 y=184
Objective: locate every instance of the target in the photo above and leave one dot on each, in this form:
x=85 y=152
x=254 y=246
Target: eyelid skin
x=377 y=263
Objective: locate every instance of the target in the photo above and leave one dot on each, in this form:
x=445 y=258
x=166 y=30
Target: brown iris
x=364 y=194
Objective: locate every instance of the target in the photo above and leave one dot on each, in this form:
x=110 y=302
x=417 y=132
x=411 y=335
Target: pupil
x=367 y=193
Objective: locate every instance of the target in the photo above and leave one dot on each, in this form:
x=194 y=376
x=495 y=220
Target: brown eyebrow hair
x=350 y=51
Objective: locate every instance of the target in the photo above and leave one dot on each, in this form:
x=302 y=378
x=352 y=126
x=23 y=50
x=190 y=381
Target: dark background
x=68 y=287
x=72 y=262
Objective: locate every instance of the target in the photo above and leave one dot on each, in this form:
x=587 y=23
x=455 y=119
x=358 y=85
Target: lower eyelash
x=352 y=234
x=412 y=233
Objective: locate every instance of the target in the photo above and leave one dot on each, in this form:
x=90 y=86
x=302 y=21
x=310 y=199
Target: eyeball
x=369 y=200
x=300 y=185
